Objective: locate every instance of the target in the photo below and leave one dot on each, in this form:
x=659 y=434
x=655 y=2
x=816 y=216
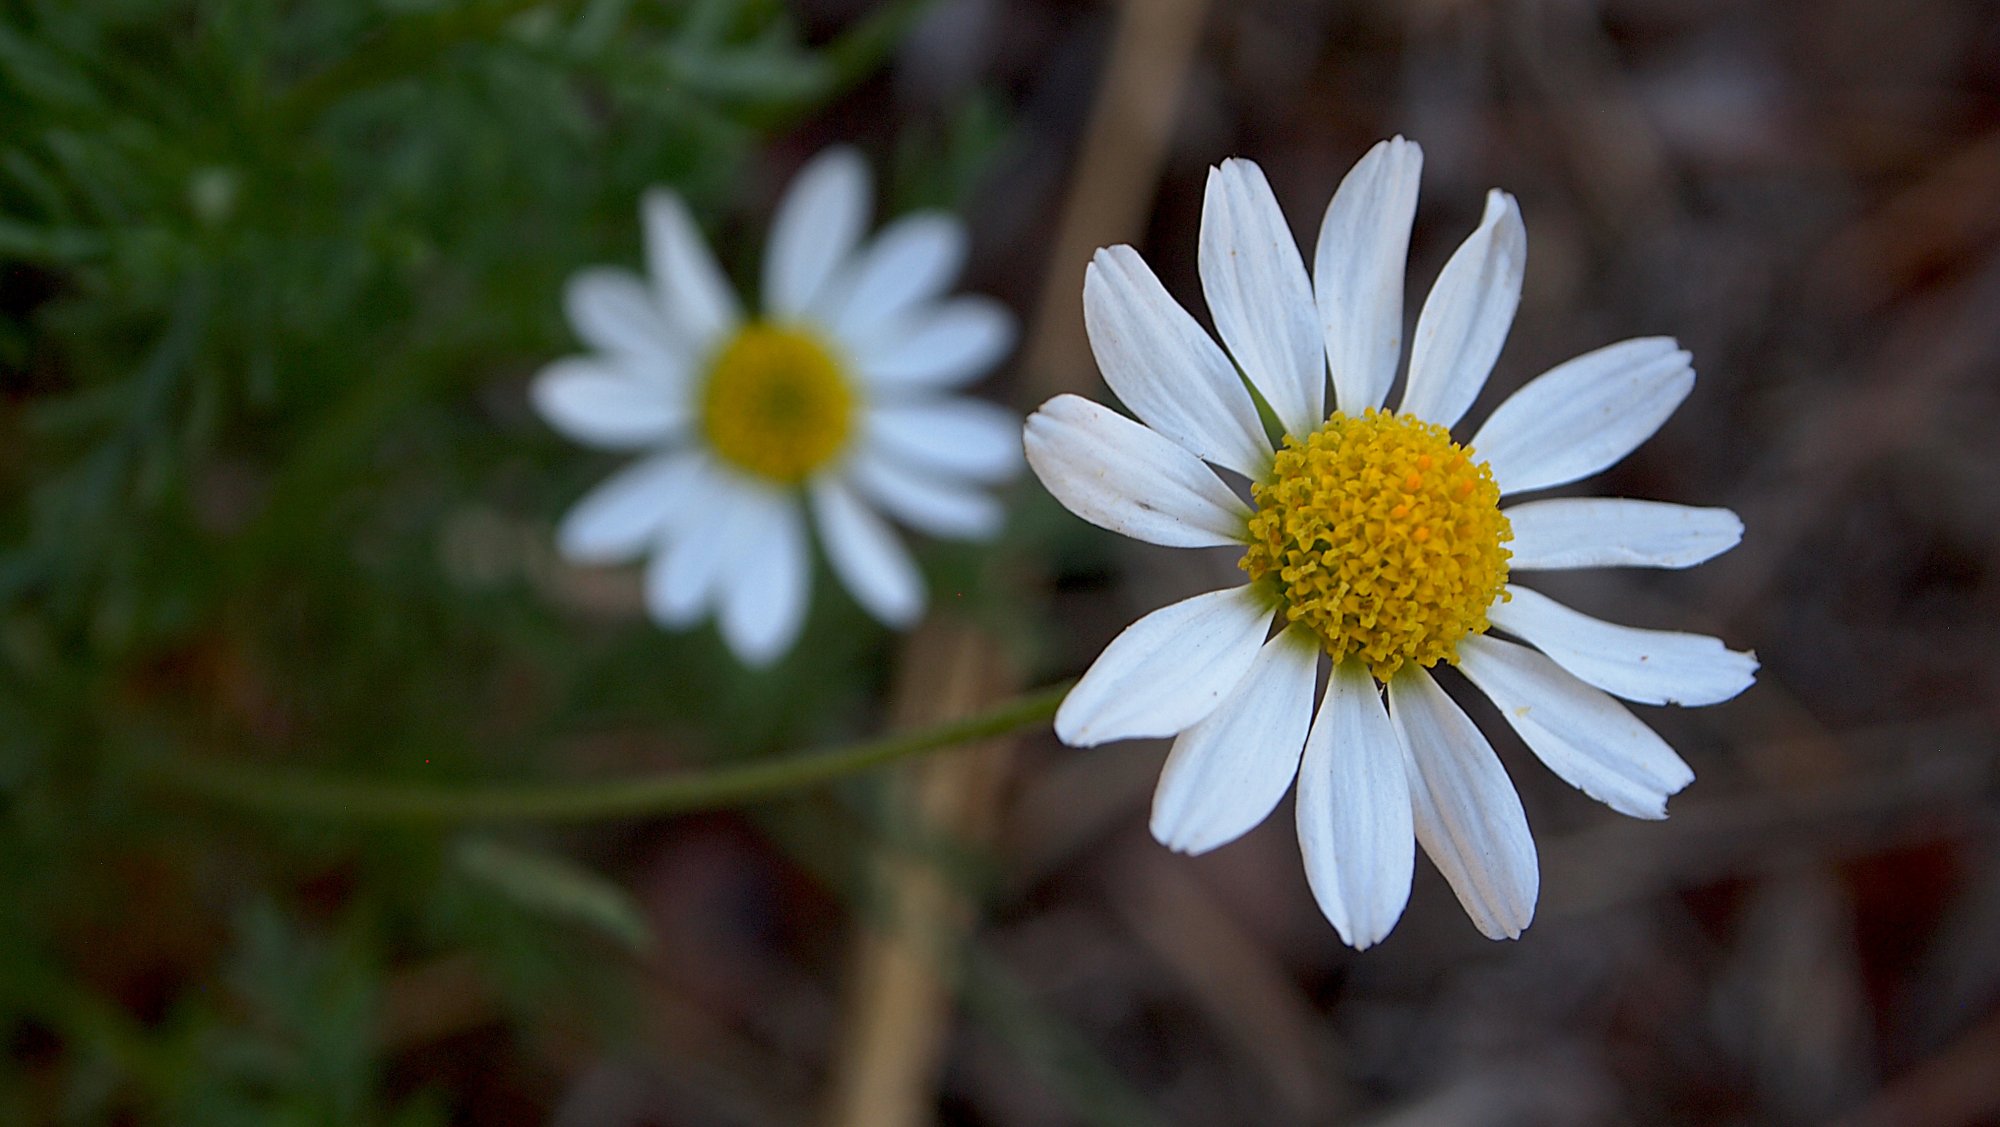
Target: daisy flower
x=1373 y=537
x=832 y=408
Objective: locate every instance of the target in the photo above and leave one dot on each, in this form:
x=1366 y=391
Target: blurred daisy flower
x=1372 y=537
x=834 y=406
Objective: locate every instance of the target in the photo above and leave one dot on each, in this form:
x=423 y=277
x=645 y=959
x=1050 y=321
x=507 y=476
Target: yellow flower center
x=1383 y=536
x=777 y=403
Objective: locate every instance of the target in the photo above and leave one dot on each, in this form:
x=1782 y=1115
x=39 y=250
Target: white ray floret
x=1572 y=532
x=1584 y=415
x=1466 y=318
x=1355 y=819
x=1088 y=456
x=1166 y=368
x=1259 y=294
x=1364 y=244
x=1166 y=672
x=1648 y=666
x=1467 y=816
x=1221 y=778
x=1577 y=731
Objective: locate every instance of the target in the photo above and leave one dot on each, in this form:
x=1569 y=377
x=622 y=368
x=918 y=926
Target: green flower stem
x=288 y=792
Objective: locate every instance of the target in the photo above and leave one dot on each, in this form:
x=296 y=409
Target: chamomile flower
x=1376 y=539
x=832 y=407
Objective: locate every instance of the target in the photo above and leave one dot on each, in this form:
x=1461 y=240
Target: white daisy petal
x=695 y=550
x=1572 y=532
x=1467 y=315
x=765 y=589
x=1165 y=367
x=1226 y=774
x=1259 y=294
x=613 y=311
x=1355 y=826
x=818 y=224
x=698 y=300
x=1648 y=666
x=944 y=345
x=946 y=509
x=1117 y=474
x=866 y=554
x=959 y=437
x=679 y=578
x=1591 y=741
x=1579 y=417
x=598 y=404
x=1364 y=244
x=1167 y=671
x=910 y=262
x=1467 y=816
x=619 y=519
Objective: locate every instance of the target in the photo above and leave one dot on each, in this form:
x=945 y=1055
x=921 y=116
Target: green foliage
x=272 y=277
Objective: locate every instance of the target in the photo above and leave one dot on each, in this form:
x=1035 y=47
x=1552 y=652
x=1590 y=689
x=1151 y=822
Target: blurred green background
x=272 y=278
